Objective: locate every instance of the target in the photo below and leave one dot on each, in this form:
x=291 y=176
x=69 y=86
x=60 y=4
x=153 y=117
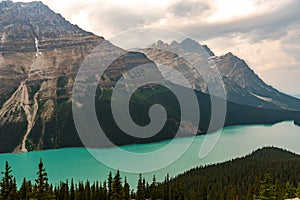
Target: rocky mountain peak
x=229 y=54
x=242 y=84
x=190 y=45
x=26 y=26
x=40 y=53
x=174 y=42
x=189 y=42
x=37 y=18
x=187 y=45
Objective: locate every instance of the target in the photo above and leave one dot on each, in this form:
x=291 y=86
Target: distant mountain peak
x=191 y=45
x=229 y=54
x=159 y=42
x=35 y=22
x=174 y=42
x=243 y=85
x=187 y=45
x=43 y=22
x=189 y=41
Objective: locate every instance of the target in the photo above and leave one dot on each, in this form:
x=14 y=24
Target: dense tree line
x=269 y=173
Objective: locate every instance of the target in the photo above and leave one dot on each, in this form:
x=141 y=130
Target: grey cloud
x=106 y=17
x=109 y=19
x=269 y=26
x=188 y=8
x=278 y=79
x=290 y=44
x=118 y=19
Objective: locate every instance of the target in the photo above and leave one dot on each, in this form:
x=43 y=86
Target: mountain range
x=241 y=83
x=40 y=55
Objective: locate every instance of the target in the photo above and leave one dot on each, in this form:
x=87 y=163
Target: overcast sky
x=265 y=33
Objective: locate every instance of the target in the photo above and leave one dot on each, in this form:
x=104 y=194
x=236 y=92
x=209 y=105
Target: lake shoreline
x=167 y=140
x=81 y=165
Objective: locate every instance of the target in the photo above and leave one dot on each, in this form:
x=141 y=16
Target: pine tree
x=117 y=188
x=87 y=190
x=23 y=190
x=104 y=194
x=80 y=191
x=267 y=191
x=42 y=186
x=13 y=195
x=64 y=188
x=290 y=191
x=140 y=194
x=126 y=190
x=147 y=189
x=166 y=188
x=72 y=190
x=178 y=193
x=29 y=192
x=93 y=191
x=153 y=189
x=6 y=183
x=110 y=180
x=298 y=190
x=132 y=194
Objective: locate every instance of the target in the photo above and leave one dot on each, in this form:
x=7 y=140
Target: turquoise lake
x=80 y=164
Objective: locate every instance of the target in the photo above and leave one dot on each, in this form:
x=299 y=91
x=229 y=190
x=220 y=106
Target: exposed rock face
x=242 y=85
x=36 y=41
x=40 y=55
x=39 y=49
x=238 y=72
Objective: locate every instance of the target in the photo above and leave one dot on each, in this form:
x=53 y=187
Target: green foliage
x=61 y=82
x=290 y=190
x=117 y=188
x=8 y=184
x=269 y=173
x=140 y=194
x=42 y=186
x=110 y=182
x=61 y=92
x=126 y=190
x=267 y=189
x=298 y=190
x=60 y=130
x=11 y=135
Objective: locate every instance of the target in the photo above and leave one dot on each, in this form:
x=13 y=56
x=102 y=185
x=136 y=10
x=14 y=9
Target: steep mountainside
x=31 y=31
x=297 y=96
x=39 y=51
x=241 y=83
x=40 y=56
x=238 y=71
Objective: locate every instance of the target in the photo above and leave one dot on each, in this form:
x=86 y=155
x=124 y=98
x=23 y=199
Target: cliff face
x=237 y=71
x=242 y=85
x=40 y=56
x=41 y=53
x=35 y=40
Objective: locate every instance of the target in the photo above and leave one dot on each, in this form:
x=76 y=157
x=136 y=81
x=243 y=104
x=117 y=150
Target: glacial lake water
x=79 y=164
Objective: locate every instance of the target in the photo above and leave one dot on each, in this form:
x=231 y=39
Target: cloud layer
x=266 y=33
